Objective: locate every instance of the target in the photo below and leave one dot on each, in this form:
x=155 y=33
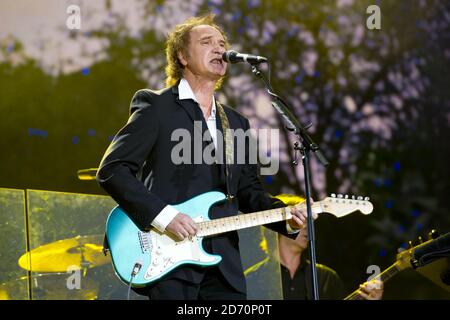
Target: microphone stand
x=307 y=145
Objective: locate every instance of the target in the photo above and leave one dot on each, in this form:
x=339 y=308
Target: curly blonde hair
x=178 y=41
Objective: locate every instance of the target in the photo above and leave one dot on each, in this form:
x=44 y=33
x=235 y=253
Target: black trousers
x=213 y=287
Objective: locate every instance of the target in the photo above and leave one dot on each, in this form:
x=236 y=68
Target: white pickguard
x=167 y=253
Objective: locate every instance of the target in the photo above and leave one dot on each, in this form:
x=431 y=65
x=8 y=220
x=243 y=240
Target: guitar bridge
x=145 y=241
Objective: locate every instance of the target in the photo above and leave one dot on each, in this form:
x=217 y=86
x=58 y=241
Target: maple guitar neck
x=242 y=221
x=338 y=207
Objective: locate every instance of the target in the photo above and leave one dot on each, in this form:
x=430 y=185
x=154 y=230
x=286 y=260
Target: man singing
x=139 y=170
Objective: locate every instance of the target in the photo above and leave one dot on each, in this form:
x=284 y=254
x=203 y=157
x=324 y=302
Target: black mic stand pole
x=307 y=145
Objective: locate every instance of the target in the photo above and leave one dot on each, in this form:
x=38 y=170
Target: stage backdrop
x=370 y=76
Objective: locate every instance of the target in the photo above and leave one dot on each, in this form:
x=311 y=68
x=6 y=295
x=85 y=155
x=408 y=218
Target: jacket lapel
x=185 y=104
x=189 y=107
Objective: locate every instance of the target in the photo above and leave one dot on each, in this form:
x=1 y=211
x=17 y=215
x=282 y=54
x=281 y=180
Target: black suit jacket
x=138 y=173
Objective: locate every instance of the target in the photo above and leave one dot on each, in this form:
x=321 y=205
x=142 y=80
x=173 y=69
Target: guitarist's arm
x=331 y=286
x=124 y=158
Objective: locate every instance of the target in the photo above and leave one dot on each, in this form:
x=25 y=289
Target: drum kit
x=54 y=267
x=58 y=271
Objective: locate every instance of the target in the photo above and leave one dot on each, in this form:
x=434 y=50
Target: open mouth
x=217 y=61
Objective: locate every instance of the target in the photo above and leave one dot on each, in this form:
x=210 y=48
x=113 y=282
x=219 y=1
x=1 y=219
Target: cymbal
x=84 y=252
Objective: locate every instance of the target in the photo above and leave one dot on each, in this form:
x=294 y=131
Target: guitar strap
x=229 y=150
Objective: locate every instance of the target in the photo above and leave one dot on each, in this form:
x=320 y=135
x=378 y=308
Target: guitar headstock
x=405 y=256
x=342 y=205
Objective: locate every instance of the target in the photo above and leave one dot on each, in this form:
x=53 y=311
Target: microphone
x=232 y=56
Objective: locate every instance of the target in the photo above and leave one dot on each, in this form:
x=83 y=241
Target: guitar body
x=157 y=253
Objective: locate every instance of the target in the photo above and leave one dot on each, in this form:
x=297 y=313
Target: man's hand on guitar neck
x=299 y=217
x=371 y=290
x=182 y=226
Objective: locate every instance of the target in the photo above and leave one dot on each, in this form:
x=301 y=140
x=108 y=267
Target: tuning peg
x=346 y=196
x=333 y=195
x=340 y=196
x=399 y=250
x=410 y=244
x=360 y=198
x=366 y=199
x=353 y=197
x=434 y=234
x=420 y=239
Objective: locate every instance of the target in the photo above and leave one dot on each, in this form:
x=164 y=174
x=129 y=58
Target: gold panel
x=13 y=279
x=259 y=249
x=66 y=239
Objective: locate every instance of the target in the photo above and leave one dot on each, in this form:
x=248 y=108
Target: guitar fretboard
x=242 y=221
x=384 y=276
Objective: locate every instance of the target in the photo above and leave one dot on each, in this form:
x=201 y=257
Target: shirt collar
x=185 y=92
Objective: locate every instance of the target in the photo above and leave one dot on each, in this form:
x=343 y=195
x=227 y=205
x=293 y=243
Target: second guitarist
x=296 y=275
